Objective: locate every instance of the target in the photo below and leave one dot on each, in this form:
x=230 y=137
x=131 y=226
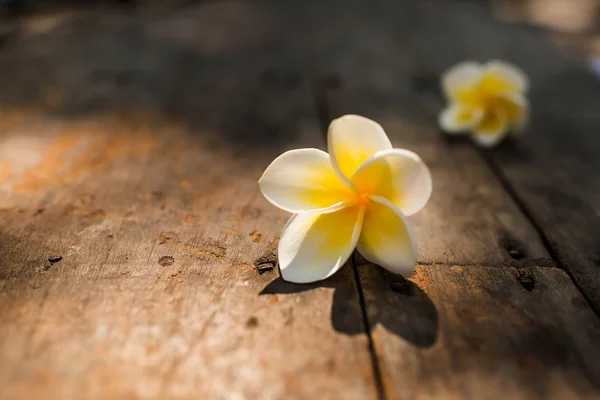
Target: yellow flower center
x=363 y=199
x=486 y=95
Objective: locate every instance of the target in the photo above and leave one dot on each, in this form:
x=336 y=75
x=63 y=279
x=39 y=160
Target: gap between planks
x=512 y=193
x=319 y=86
x=323 y=114
x=367 y=324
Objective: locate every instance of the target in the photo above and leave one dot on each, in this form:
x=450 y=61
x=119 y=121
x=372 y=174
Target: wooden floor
x=137 y=253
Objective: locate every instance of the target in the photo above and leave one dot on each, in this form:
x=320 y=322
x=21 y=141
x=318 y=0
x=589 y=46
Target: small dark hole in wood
x=252 y=322
x=54 y=259
x=266 y=263
x=516 y=254
x=265 y=267
x=512 y=247
x=402 y=287
x=527 y=282
x=166 y=260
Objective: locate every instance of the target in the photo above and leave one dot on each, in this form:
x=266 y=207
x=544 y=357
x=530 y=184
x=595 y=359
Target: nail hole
x=266 y=263
x=166 y=260
x=512 y=247
x=401 y=286
x=527 y=282
x=516 y=254
x=252 y=322
x=265 y=267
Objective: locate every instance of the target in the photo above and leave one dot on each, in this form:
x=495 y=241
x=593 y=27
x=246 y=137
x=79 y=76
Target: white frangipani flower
x=358 y=195
x=486 y=100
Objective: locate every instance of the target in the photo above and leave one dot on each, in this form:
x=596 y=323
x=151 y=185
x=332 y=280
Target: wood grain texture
x=509 y=338
x=551 y=169
x=130 y=146
x=470 y=332
x=462 y=332
x=135 y=158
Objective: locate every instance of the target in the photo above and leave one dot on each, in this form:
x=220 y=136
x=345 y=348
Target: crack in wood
x=512 y=193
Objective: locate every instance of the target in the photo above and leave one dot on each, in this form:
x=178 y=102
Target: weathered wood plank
x=551 y=169
x=139 y=169
x=469 y=332
x=461 y=332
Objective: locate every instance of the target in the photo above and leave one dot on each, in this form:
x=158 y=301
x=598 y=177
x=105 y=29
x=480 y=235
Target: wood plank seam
x=505 y=265
x=520 y=267
x=323 y=112
x=368 y=324
x=541 y=263
x=510 y=190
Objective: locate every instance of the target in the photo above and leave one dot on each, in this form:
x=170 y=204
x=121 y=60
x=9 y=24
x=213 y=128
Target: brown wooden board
x=131 y=148
x=473 y=332
x=508 y=325
x=551 y=171
x=512 y=323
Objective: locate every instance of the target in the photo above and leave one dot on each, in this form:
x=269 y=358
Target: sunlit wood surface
x=138 y=257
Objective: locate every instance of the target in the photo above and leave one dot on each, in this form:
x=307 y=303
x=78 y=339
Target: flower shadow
x=382 y=300
x=399 y=305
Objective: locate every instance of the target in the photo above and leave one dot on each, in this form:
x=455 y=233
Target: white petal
x=492 y=129
x=463 y=76
x=314 y=246
x=487 y=140
x=398 y=175
x=304 y=180
x=509 y=72
x=387 y=239
x=352 y=139
x=459 y=118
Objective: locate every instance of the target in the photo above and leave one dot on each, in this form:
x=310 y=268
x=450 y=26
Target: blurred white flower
x=358 y=195
x=487 y=101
